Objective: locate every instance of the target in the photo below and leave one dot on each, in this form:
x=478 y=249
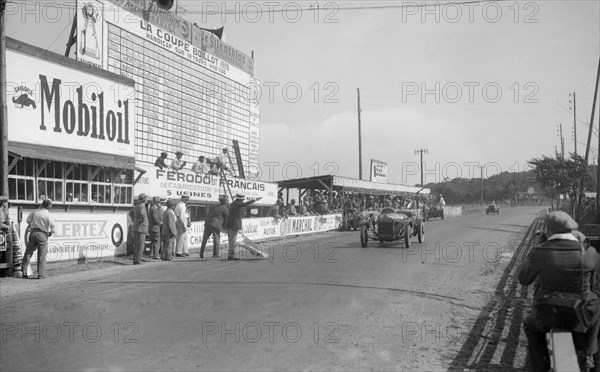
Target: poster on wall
x=378 y=171
x=57 y=105
x=90 y=32
x=80 y=235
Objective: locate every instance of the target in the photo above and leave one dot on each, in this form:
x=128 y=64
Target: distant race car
x=492 y=208
x=434 y=212
x=392 y=225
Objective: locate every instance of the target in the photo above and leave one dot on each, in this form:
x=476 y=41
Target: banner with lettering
x=204 y=188
x=78 y=235
x=256 y=229
x=52 y=104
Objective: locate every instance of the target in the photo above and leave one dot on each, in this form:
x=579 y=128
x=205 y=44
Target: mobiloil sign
x=92 y=119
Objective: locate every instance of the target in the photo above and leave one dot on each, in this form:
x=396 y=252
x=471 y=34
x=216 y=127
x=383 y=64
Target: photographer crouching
x=564 y=295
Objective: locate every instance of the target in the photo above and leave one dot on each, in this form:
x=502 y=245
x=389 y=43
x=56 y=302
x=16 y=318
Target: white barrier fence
x=110 y=231
x=452 y=211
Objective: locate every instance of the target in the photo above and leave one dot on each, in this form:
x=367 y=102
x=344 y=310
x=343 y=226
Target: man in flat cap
x=214 y=226
x=161 y=161
x=178 y=164
x=41 y=227
x=155 y=222
x=556 y=264
x=140 y=228
x=237 y=211
x=168 y=230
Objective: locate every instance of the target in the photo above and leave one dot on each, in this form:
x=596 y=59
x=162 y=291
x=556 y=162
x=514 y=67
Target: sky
x=478 y=85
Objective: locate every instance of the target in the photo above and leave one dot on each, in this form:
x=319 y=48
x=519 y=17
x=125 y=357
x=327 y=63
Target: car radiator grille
x=385 y=228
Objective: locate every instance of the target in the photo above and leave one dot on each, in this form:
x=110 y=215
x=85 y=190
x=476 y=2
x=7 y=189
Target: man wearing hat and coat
x=155 y=222
x=161 y=161
x=177 y=163
x=168 y=230
x=237 y=211
x=140 y=228
x=556 y=264
x=214 y=226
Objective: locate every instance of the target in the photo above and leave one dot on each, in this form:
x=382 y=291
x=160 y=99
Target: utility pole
x=574 y=121
x=359 y=139
x=3 y=107
x=589 y=141
x=559 y=132
x=481 y=186
x=421 y=151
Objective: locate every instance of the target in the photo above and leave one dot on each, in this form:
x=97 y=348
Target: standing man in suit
x=237 y=211
x=214 y=226
x=140 y=228
x=168 y=230
x=155 y=222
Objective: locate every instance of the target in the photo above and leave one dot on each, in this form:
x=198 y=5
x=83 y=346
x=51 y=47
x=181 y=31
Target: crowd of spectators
x=319 y=202
x=201 y=166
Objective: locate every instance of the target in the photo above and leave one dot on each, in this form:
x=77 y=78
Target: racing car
x=392 y=225
x=434 y=212
x=492 y=208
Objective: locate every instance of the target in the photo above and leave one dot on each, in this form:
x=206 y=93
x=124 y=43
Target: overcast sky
x=501 y=74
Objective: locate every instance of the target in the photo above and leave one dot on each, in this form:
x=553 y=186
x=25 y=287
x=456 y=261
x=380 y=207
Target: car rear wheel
x=364 y=238
x=421 y=234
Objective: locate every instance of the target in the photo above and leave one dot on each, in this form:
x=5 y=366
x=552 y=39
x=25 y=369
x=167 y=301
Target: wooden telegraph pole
x=360 y=176
x=3 y=107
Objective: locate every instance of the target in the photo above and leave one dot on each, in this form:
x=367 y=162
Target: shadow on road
x=488 y=347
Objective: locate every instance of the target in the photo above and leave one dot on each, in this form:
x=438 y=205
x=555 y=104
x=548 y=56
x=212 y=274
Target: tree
x=558 y=176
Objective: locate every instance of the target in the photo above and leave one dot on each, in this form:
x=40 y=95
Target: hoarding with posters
x=203 y=188
x=84 y=235
x=378 y=171
x=57 y=105
x=90 y=32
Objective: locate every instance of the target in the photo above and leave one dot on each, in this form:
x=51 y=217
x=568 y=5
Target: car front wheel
x=421 y=234
x=364 y=238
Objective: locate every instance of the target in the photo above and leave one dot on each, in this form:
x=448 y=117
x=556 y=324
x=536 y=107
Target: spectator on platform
x=200 y=167
x=161 y=161
x=178 y=164
x=303 y=208
x=274 y=210
x=291 y=209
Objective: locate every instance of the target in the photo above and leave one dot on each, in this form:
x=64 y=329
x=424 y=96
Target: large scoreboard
x=194 y=92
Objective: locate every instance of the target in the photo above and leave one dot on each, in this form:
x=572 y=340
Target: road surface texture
x=319 y=303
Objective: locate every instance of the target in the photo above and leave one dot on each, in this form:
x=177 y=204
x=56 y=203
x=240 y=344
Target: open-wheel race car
x=392 y=225
x=492 y=208
x=433 y=212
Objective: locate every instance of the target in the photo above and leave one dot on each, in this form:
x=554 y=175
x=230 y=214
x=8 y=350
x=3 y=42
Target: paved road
x=320 y=303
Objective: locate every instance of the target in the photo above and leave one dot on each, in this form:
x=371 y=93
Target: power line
x=365 y=7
